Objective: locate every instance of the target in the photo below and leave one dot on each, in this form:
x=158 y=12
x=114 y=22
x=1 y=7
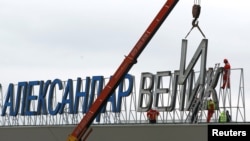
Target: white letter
x=215 y=132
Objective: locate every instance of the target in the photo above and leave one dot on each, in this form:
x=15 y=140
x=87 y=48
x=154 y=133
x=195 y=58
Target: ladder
x=198 y=103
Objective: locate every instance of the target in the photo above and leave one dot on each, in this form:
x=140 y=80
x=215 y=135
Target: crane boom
x=123 y=69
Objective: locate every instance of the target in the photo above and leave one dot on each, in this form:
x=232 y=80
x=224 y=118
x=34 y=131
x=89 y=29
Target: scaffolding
x=231 y=99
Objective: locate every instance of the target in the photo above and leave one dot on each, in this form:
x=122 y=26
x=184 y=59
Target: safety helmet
x=225 y=61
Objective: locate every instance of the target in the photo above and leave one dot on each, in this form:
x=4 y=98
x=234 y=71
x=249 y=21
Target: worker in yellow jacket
x=210 y=110
x=223 y=117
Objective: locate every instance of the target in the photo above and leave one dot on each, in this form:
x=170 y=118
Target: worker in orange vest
x=210 y=109
x=226 y=74
x=152 y=115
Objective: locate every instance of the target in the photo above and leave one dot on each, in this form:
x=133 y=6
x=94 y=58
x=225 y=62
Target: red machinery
x=81 y=129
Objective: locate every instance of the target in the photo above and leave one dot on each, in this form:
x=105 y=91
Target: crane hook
x=196 y=13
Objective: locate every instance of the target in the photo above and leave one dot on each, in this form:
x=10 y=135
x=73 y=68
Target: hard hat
x=225 y=61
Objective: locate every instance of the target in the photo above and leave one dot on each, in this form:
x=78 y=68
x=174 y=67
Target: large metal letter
x=146 y=92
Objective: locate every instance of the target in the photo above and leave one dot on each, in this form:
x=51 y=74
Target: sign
x=20 y=102
x=23 y=100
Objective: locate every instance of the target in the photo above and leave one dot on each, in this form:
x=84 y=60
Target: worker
x=210 y=109
x=152 y=115
x=226 y=74
x=228 y=116
x=223 y=117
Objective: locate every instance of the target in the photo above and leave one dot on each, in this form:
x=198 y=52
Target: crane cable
x=196 y=13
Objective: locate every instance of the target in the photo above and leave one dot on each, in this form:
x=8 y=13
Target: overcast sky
x=48 y=39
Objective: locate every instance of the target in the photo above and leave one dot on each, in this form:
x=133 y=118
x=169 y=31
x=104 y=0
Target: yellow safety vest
x=210 y=103
x=223 y=117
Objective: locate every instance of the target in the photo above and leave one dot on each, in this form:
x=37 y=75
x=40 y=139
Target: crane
x=82 y=129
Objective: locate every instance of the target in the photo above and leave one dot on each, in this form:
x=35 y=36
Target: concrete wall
x=171 y=132
x=124 y=132
x=133 y=132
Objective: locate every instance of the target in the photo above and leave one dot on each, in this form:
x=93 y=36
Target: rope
x=197 y=2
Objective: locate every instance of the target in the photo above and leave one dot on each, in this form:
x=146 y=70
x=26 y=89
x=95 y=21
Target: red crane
x=81 y=129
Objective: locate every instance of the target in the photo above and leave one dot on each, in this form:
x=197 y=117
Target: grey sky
x=48 y=39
